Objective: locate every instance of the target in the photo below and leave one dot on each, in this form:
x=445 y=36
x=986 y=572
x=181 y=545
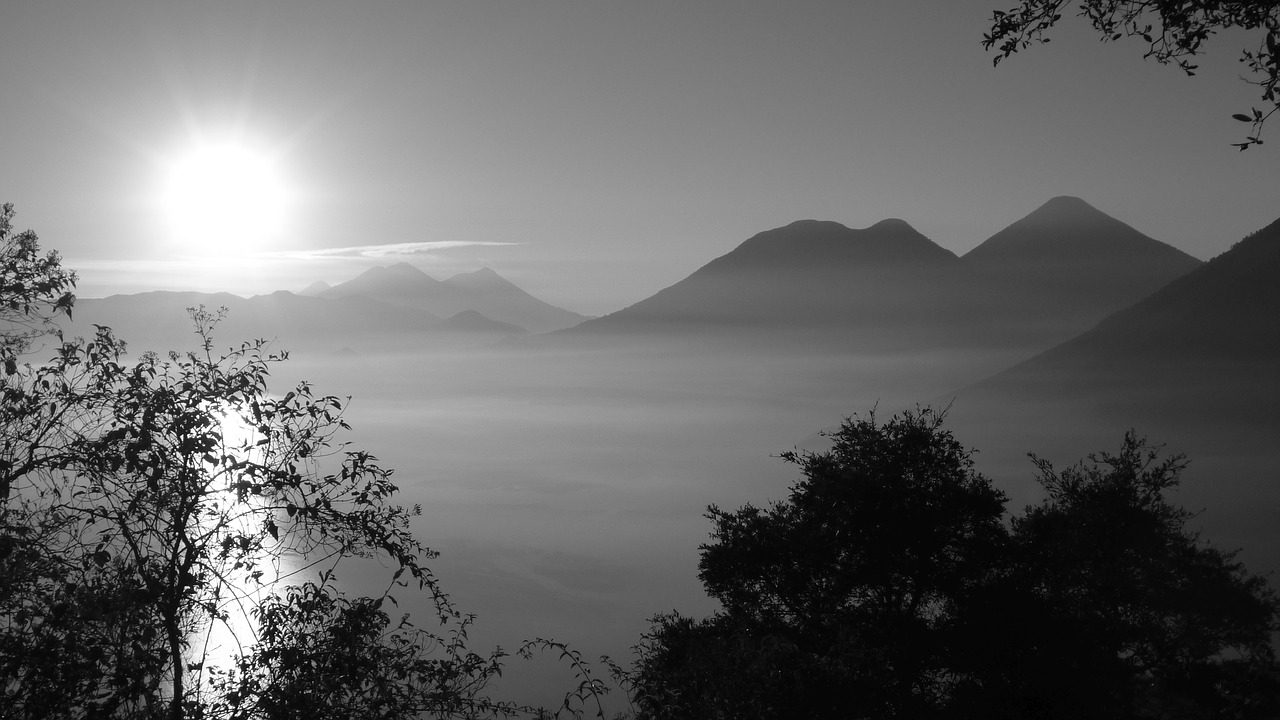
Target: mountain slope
x=1195 y=365
x=1060 y=269
x=399 y=284
x=1067 y=232
x=472 y=322
x=1038 y=282
x=809 y=275
x=498 y=298
x=314 y=288
x=159 y=320
x=483 y=291
x=1210 y=332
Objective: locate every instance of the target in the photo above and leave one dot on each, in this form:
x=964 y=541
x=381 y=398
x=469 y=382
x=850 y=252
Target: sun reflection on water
x=234 y=508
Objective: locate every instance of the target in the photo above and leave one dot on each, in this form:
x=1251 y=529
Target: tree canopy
x=151 y=505
x=891 y=583
x=34 y=289
x=1174 y=33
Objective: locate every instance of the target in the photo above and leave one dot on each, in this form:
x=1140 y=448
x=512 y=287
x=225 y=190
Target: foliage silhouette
x=887 y=585
x=73 y=637
x=1174 y=33
x=148 y=503
x=154 y=496
x=1146 y=619
x=34 y=290
x=837 y=601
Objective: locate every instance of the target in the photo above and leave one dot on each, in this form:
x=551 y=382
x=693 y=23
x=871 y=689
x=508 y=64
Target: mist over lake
x=586 y=271
x=563 y=477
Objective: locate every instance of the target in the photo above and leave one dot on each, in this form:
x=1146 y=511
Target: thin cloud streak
x=381 y=251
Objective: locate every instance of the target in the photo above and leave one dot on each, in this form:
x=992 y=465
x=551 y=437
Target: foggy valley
x=814 y=359
x=564 y=464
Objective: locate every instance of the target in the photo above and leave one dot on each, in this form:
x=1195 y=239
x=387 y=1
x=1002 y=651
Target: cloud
x=380 y=251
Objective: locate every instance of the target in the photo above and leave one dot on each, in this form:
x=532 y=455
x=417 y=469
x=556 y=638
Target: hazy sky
x=592 y=152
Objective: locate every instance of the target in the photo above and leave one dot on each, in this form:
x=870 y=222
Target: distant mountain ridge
x=1039 y=281
x=159 y=320
x=314 y=288
x=1062 y=268
x=806 y=274
x=392 y=308
x=810 y=285
x=1068 y=230
x=483 y=291
x=470 y=321
x=1196 y=365
x=824 y=244
x=1224 y=313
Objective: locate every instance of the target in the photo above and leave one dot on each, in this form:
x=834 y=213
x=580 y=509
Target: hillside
x=1060 y=269
x=1210 y=336
x=160 y=321
x=809 y=276
x=1038 y=282
x=483 y=291
x=1195 y=366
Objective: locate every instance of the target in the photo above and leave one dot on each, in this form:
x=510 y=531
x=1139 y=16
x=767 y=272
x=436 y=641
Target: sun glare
x=225 y=639
x=224 y=199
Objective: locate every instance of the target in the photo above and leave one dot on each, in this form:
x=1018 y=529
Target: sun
x=224 y=198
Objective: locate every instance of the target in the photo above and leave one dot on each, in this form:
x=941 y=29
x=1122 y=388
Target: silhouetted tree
x=148 y=503
x=73 y=638
x=168 y=491
x=1122 y=611
x=1173 y=31
x=320 y=655
x=34 y=289
x=887 y=586
x=836 y=601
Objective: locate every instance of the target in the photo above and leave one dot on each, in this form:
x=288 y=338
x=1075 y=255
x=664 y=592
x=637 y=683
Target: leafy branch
x=1174 y=33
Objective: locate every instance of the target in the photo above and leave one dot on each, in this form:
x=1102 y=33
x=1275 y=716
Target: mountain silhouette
x=314 y=288
x=823 y=244
x=804 y=287
x=1068 y=232
x=1038 y=282
x=483 y=280
x=503 y=301
x=483 y=291
x=1195 y=365
x=1209 y=339
x=470 y=321
x=399 y=284
x=809 y=276
x=1060 y=269
x=159 y=320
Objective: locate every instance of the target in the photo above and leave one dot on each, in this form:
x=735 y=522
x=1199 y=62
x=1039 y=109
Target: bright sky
x=593 y=152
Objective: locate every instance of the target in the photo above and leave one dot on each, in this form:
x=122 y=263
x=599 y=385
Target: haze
x=587 y=268
x=608 y=147
x=563 y=474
